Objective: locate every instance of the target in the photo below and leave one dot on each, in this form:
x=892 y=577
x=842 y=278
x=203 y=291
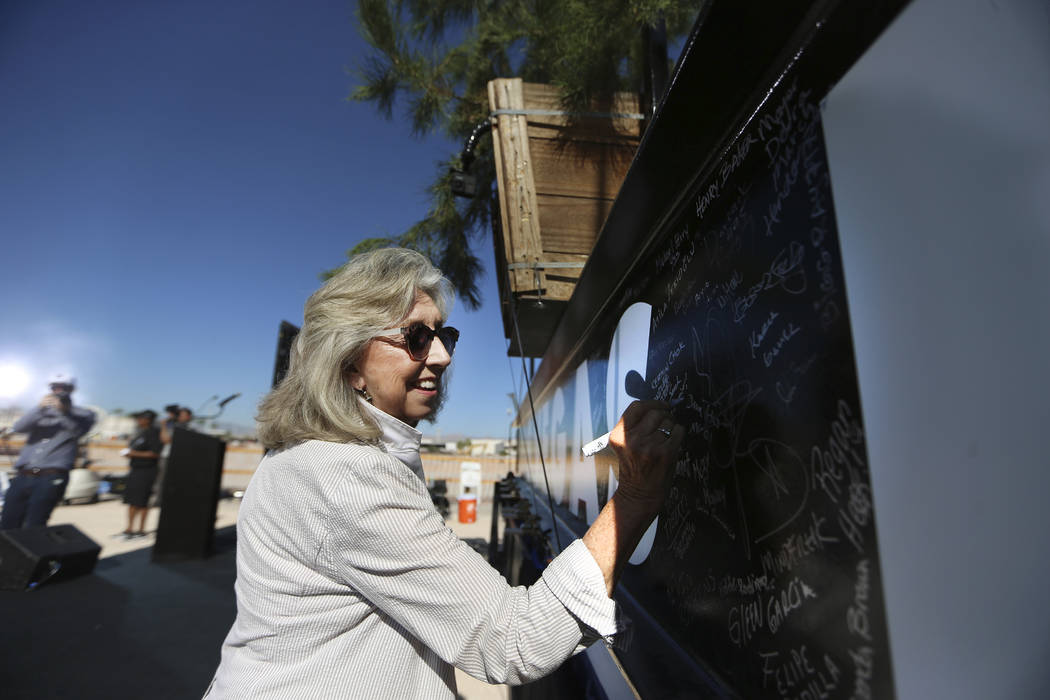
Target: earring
x=363 y=393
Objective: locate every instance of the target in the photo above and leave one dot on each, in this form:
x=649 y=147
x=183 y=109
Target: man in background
x=53 y=430
x=167 y=430
x=185 y=419
x=171 y=416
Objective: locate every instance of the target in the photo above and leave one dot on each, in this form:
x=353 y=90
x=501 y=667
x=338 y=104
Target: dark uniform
x=143 y=469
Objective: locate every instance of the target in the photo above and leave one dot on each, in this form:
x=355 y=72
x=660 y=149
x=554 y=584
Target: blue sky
x=176 y=175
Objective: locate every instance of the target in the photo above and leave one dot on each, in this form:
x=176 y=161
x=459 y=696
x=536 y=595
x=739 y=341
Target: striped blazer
x=349 y=585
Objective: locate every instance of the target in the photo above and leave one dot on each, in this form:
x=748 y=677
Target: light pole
x=510 y=417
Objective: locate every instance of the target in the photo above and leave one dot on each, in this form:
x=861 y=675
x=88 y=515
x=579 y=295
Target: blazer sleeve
x=389 y=543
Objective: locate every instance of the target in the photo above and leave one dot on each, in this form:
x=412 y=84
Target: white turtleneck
x=398 y=439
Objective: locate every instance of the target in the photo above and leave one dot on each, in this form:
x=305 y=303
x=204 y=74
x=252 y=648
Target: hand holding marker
x=636 y=388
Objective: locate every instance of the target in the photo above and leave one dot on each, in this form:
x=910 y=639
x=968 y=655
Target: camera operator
x=53 y=430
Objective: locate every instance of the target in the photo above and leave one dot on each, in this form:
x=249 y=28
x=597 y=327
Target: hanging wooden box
x=556 y=183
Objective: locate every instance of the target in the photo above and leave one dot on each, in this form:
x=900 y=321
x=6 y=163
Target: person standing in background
x=53 y=430
x=143 y=453
x=167 y=429
x=167 y=426
x=185 y=419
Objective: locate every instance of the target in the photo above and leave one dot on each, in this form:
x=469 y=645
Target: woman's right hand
x=647 y=441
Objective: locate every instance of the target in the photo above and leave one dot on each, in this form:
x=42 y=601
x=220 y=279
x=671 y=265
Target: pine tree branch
x=437 y=57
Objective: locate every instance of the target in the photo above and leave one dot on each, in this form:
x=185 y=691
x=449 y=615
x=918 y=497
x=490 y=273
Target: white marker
x=595 y=446
x=600 y=443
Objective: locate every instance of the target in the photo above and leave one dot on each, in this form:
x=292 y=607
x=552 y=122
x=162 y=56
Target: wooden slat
x=517 y=190
x=556 y=182
x=571 y=224
x=599 y=134
x=501 y=188
x=579 y=169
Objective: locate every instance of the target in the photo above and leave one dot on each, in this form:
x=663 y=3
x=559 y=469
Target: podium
x=189 y=497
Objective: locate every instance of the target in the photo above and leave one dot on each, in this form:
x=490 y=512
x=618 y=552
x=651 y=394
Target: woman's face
x=404 y=388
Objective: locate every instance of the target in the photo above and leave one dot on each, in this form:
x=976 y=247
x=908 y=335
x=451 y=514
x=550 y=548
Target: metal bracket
x=534 y=265
x=562 y=113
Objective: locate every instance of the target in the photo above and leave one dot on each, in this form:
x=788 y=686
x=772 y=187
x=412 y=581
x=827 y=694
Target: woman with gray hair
x=349 y=584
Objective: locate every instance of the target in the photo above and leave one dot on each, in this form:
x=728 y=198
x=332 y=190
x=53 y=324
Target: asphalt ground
x=135 y=628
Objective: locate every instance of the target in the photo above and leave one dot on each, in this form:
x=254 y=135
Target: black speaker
x=285 y=337
x=189 y=497
x=32 y=555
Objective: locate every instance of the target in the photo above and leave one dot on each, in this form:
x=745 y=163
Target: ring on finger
x=665 y=431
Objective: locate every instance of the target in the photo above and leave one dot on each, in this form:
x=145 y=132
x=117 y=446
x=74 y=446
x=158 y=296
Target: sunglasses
x=418 y=337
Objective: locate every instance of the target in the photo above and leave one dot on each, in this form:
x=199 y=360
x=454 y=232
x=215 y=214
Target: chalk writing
x=778 y=607
x=857 y=614
x=744 y=621
x=744 y=585
x=785 y=335
x=768 y=612
x=863 y=671
x=681 y=539
x=794 y=675
x=705 y=199
x=785 y=272
x=756 y=337
x=855 y=516
x=783 y=672
x=828 y=464
x=796 y=547
x=766 y=535
x=821 y=685
x=736 y=157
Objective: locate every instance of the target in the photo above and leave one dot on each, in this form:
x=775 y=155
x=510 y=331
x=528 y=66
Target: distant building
x=476 y=447
x=8 y=416
x=487 y=446
x=111 y=426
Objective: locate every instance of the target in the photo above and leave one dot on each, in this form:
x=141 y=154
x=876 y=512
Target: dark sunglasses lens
x=418 y=340
x=449 y=336
x=419 y=337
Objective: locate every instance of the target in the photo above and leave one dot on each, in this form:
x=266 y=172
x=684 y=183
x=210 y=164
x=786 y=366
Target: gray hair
x=371 y=293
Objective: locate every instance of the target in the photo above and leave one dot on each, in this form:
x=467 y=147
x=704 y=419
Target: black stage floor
x=131 y=629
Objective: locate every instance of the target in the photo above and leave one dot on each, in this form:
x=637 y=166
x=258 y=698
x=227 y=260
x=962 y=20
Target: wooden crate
x=556 y=182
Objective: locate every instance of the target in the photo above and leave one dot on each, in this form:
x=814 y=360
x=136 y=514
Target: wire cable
x=521 y=446
x=535 y=424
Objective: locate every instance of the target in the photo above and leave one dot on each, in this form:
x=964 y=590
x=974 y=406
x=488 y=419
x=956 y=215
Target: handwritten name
x=857 y=614
x=786 y=391
x=744 y=585
x=735 y=159
x=790 y=599
x=796 y=547
x=794 y=675
x=769 y=612
x=784 y=672
x=842 y=449
x=785 y=335
x=755 y=338
x=857 y=513
x=786 y=272
x=863 y=671
x=705 y=199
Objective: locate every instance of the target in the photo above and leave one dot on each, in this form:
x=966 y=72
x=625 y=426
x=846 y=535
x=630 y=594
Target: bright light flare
x=14 y=380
